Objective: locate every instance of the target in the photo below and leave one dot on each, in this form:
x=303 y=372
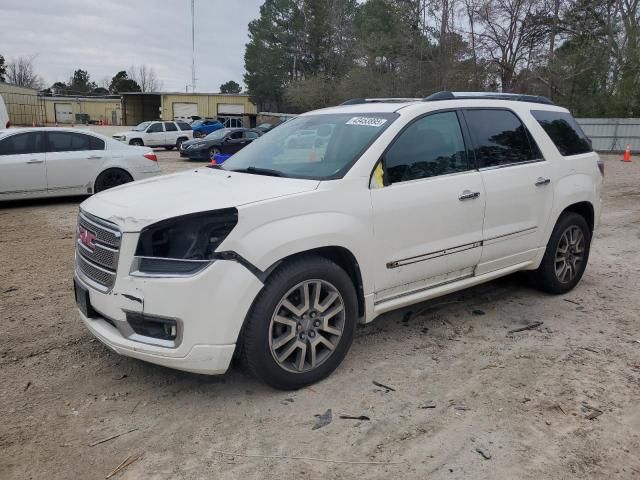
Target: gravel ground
x=467 y=399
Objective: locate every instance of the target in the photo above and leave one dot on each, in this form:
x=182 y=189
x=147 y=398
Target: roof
x=190 y=94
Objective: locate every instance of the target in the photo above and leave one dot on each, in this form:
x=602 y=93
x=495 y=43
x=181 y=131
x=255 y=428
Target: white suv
x=276 y=255
x=157 y=134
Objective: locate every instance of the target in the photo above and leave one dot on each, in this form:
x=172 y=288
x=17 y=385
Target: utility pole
x=193 y=47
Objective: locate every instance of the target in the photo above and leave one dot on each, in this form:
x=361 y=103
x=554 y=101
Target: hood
x=135 y=205
x=124 y=134
x=195 y=141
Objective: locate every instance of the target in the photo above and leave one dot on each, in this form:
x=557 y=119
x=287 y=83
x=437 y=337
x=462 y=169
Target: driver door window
x=429 y=147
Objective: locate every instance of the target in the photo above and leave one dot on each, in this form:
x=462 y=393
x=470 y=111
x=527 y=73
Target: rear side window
x=72 y=142
x=500 y=138
x=429 y=147
x=184 y=126
x=170 y=127
x=236 y=136
x=563 y=131
x=22 y=144
x=251 y=135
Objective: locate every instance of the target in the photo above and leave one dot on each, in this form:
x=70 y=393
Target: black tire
x=111 y=178
x=256 y=351
x=213 y=151
x=169 y=147
x=179 y=143
x=547 y=277
x=137 y=142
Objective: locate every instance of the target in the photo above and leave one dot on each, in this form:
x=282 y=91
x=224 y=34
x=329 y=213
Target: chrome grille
x=98 y=262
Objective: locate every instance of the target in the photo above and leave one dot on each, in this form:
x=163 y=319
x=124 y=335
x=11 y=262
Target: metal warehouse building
x=65 y=110
x=237 y=110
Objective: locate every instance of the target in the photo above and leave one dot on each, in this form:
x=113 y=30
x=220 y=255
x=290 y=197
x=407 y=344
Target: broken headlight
x=183 y=245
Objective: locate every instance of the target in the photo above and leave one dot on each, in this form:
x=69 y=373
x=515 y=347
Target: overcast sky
x=105 y=36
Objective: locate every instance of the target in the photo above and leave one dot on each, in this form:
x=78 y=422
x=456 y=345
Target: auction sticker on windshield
x=367 y=121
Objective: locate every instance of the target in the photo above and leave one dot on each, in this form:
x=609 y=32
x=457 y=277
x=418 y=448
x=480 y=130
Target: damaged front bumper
x=187 y=323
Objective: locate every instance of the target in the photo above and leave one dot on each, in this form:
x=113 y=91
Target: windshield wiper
x=260 y=171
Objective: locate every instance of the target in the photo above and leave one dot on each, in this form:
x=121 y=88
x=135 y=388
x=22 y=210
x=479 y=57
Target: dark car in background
x=226 y=141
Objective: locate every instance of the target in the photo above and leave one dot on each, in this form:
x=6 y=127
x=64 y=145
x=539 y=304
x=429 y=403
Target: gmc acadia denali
x=276 y=255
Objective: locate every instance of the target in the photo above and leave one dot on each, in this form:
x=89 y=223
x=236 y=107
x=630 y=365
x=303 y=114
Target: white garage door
x=230 y=109
x=64 y=113
x=183 y=110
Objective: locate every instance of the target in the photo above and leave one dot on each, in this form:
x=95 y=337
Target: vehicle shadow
x=42 y=202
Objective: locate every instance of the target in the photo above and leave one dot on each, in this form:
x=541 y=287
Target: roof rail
x=359 y=101
x=517 y=97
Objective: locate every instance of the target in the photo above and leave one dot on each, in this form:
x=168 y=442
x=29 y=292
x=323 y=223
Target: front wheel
x=136 y=142
x=301 y=325
x=565 y=259
x=111 y=178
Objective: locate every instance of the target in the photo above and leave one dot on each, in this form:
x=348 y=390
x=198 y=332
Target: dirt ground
x=558 y=402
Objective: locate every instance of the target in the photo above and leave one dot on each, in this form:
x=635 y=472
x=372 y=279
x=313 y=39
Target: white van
x=4 y=116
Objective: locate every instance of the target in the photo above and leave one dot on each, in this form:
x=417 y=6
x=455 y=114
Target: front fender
x=272 y=231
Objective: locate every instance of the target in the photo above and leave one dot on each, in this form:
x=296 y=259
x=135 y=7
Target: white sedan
x=48 y=162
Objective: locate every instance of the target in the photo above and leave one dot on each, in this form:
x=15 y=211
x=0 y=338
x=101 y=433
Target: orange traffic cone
x=313 y=156
x=627 y=155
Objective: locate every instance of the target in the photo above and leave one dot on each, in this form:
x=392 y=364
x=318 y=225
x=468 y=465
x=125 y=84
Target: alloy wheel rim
x=569 y=254
x=306 y=326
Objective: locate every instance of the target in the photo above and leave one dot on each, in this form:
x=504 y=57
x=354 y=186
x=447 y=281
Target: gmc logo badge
x=87 y=238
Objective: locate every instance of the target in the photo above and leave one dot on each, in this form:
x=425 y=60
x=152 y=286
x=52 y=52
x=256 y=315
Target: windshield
x=197 y=123
x=320 y=147
x=140 y=128
x=218 y=134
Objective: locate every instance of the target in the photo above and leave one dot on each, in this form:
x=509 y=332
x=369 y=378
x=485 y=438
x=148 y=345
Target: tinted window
x=184 y=126
x=236 y=135
x=429 y=147
x=251 y=135
x=21 y=144
x=564 y=132
x=155 y=128
x=501 y=138
x=345 y=136
x=170 y=127
x=72 y=142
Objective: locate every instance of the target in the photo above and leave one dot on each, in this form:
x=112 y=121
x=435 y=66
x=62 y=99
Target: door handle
x=542 y=181
x=34 y=161
x=468 y=195
x=94 y=158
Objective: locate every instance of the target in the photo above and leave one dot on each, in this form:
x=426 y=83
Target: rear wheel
x=565 y=259
x=179 y=143
x=111 y=178
x=301 y=325
x=137 y=142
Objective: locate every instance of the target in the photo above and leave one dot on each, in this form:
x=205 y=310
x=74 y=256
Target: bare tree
x=20 y=72
x=145 y=77
x=511 y=36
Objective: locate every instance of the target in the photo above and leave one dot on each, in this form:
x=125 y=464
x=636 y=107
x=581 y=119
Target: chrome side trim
x=500 y=237
x=514 y=164
x=432 y=255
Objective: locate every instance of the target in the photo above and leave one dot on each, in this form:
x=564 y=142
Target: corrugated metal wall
x=24 y=106
x=612 y=134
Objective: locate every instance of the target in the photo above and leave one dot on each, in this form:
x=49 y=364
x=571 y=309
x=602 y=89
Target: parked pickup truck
x=157 y=134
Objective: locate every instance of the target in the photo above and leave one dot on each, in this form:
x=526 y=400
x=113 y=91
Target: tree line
x=583 y=54
x=20 y=71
